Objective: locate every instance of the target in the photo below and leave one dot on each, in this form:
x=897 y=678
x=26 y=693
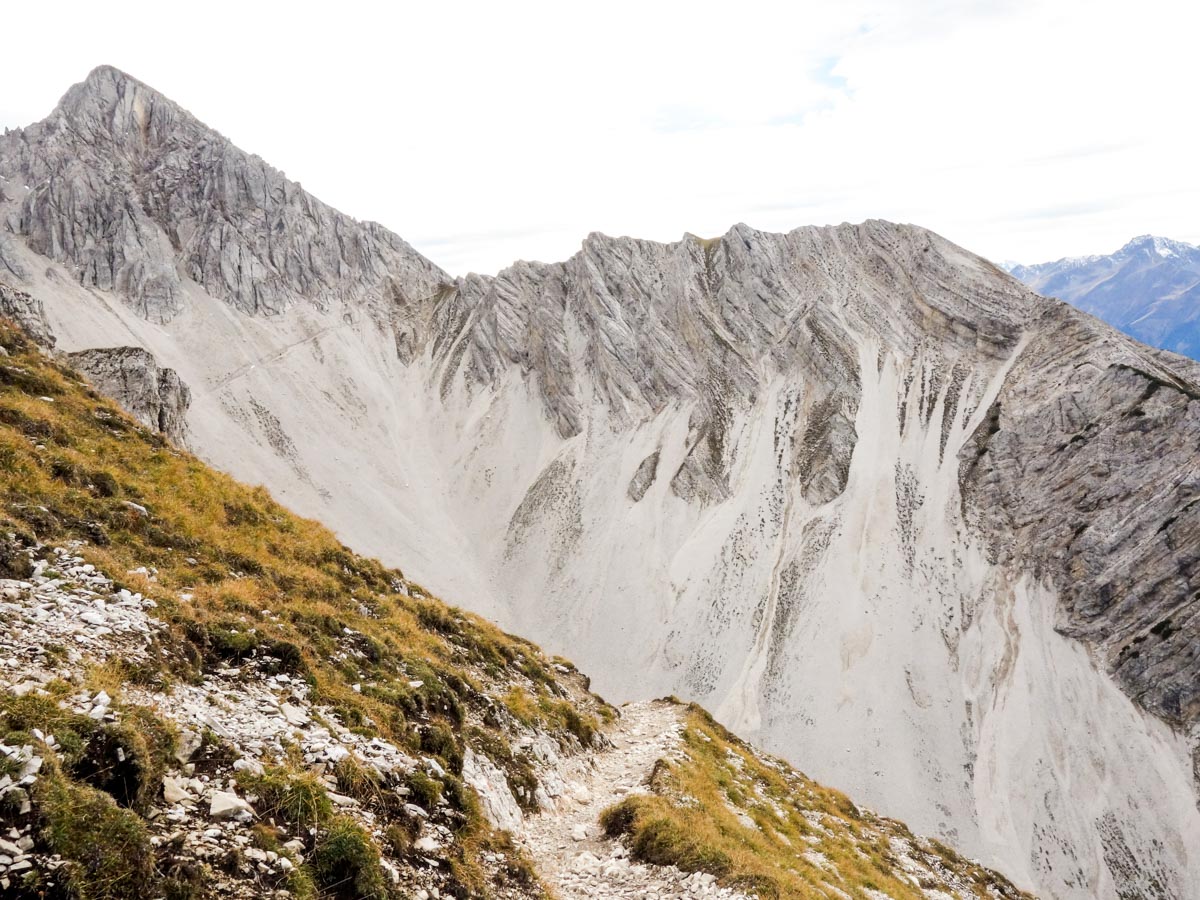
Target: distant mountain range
x=1149 y=289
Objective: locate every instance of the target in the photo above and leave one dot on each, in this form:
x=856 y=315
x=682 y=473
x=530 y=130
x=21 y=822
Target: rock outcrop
x=153 y=395
x=27 y=312
x=1086 y=469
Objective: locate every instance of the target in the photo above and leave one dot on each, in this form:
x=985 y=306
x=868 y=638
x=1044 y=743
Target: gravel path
x=567 y=845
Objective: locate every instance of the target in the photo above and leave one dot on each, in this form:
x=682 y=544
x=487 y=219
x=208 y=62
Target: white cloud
x=483 y=132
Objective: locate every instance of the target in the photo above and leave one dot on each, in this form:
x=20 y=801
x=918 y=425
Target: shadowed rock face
x=888 y=512
x=154 y=396
x=1087 y=469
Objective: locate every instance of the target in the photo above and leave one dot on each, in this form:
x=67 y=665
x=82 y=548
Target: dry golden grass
x=762 y=826
x=238 y=578
x=238 y=575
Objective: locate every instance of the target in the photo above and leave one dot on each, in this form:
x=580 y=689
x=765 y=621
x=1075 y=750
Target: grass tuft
x=107 y=850
x=345 y=863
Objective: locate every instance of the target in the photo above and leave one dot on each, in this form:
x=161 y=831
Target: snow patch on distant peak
x=1167 y=247
x=1164 y=247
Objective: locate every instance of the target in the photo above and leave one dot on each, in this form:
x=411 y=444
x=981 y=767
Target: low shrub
x=108 y=853
x=345 y=863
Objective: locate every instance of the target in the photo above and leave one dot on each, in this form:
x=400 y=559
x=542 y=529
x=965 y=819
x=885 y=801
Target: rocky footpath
x=63 y=618
x=207 y=810
x=566 y=841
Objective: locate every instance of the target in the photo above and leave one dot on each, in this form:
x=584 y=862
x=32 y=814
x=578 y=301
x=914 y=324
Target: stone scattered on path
x=566 y=843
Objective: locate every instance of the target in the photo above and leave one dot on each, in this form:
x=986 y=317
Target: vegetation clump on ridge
x=761 y=826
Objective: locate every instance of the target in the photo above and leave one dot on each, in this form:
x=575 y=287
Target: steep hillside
x=205 y=696
x=1149 y=289
x=888 y=513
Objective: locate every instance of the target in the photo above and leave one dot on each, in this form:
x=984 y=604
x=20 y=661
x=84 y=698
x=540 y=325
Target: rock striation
x=1085 y=469
x=134 y=195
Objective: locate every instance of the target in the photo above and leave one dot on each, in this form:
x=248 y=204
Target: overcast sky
x=487 y=132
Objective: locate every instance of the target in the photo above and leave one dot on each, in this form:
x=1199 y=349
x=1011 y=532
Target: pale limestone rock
x=155 y=197
x=153 y=395
x=495 y=795
x=173 y=791
x=225 y=805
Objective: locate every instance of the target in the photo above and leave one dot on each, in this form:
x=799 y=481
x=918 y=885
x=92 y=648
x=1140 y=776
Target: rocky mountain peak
x=1148 y=288
x=156 y=201
x=1159 y=246
x=112 y=105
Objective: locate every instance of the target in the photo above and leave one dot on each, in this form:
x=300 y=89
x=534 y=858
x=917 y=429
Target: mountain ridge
x=168 y=200
x=849 y=486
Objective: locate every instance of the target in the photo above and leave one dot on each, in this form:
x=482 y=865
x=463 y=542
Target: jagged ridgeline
x=882 y=509
x=208 y=696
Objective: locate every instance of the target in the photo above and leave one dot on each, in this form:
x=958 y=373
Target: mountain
x=890 y=514
x=206 y=696
x=1150 y=289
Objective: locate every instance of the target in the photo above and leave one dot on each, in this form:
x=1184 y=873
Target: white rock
x=173 y=791
x=189 y=742
x=500 y=808
x=294 y=714
x=227 y=806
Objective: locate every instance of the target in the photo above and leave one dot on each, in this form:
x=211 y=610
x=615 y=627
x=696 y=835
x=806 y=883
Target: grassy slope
x=760 y=824
x=262 y=581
